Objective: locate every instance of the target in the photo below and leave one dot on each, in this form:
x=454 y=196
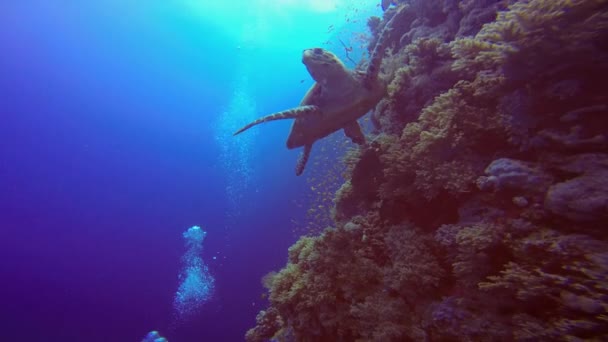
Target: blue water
x=115 y=138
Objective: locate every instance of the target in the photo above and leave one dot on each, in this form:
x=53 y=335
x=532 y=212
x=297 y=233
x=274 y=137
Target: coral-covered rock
x=582 y=195
x=511 y=174
x=267 y=324
x=583 y=198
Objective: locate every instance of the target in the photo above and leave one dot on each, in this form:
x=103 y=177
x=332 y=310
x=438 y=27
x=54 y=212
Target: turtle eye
x=318 y=51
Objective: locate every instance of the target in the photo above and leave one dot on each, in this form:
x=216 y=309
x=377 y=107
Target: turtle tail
x=303 y=159
x=286 y=114
x=373 y=68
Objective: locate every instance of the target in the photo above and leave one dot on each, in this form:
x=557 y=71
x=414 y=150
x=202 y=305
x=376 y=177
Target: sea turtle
x=335 y=101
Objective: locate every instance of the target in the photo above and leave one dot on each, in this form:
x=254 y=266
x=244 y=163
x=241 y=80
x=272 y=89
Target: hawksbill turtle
x=337 y=99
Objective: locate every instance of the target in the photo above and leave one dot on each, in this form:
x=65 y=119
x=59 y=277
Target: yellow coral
x=399 y=81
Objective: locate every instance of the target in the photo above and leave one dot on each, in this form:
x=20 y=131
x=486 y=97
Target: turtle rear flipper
x=353 y=131
x=293 y=113
x=303 y=159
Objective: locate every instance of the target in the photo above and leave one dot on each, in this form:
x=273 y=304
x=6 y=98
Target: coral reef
x=340 y=285
x=478 y=209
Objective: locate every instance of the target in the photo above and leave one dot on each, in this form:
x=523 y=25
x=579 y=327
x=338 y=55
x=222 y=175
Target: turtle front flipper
x=373 y=67
x=286 y=114
x=303 y=159
x=353 y=131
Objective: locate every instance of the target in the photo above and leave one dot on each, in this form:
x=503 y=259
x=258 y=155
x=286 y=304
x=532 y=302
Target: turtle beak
x=306 y=54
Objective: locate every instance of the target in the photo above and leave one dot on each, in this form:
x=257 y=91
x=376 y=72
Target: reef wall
x=479 y=208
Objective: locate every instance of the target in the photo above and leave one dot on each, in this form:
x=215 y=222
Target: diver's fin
x=353 y=131
x=286 y=114
x=303 y=159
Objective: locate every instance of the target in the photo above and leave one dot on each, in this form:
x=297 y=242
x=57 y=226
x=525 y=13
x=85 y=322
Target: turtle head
x=323 y=65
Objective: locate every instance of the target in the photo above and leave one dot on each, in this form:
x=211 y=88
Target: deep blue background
x=107 y=155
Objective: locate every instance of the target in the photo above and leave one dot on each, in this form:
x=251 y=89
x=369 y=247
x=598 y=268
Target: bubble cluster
x=196 y=283
x=236 y=154
x=154 y=336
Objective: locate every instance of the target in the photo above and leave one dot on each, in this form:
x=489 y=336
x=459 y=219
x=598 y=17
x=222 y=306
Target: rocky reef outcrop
x=479 y=208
